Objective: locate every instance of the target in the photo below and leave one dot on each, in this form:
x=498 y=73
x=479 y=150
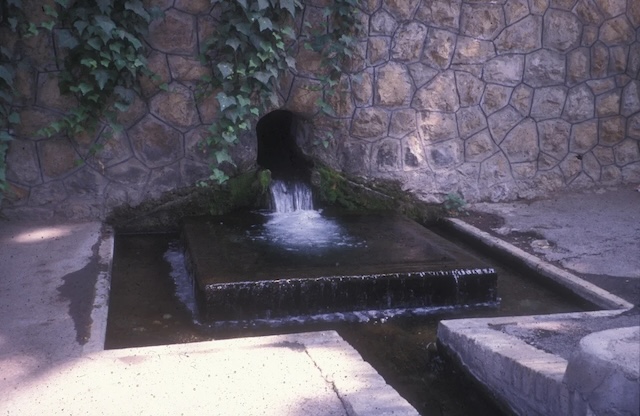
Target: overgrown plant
x=248 y=53
x=13 y=18
x=104 y=57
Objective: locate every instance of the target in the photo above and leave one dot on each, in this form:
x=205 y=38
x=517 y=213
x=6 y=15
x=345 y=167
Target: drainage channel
x=146 y=309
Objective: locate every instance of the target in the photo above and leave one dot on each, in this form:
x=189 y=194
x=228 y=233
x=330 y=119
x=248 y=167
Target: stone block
x=481 y=20
x=32 y=120
x=362 y=88
x=495 y=97
x=548 y=102
x=408 y=42
x=439 y=48
x=154 y=143
x=175 y=33
x=57 y=157
x=386 y=155
x=618 y=59
x=591 y=167
x=382 y=23
x=604 y=154
x=504 y=70
x=610 y=175
x=521 y=143
x=132 y=174
x=208 y=107
x=521 y=99
x=157 y=63
x=402 y=123
x=304 y=96
x=48 y=93
x=612 y=8
x=599 y=86
x=378 y=50
x=193 y=6
x=546 y=162
x=22 y=162
x=340 y=99
x=571 y=167
x=584 y=136
x=445 y=155
x=479 y=147
x=393 y=85
x=589 y=35
x=473 y=51
x=186 y=68
x=413 y=153
x=578 y=65
x=469 y=87
x=580 y=104
x=177 y=107
x=355 y=157
x=630 y=173
x=470 y=121
x=114 y=148
x=633 y=126
x=370 y=123
x=627 y=152
x=421 y=73
x=544 y=68
x=561 y=31
x=554 y=138
x=633 y=66
x=521 y=37
x=162 y=180
x=501 y=122
x=440 y=13
x=631 y=98
x=599 y=60
x=611 y=130
x=494 y=170
x=438 y=95
x=85 y=182
x=436 y=127
x=48 y=193
x=515 y=10
x=589 y=12
x=401 y=9
x=608 y=103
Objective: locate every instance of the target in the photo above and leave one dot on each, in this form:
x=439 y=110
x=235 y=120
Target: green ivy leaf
x=66 y=40
x=14 y=118
x=104 y=6
x=105 y=23
x=225 y=69
x=289 y=5
x=6 y=75
x=95 y=43
x=225 y=101
x=137 y=7
x=265 y=23
x=89 y=62
x=223 y=156
x=233 y=42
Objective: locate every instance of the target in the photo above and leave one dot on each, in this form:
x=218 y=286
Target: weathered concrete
x=542 y=365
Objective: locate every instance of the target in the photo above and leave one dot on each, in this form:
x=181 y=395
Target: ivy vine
x=104 y=59
x=251 y=50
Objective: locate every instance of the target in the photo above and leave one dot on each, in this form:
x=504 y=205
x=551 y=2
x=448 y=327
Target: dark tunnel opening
x=278 y=149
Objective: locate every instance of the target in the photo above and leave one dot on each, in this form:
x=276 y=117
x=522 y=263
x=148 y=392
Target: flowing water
x=152 y=303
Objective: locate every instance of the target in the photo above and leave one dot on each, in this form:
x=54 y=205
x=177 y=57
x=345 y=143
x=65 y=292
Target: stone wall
x=495 y=100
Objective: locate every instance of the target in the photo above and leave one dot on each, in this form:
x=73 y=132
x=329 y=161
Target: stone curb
x=581 y=287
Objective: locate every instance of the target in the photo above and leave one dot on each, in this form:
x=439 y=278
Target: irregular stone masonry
x=496 y=100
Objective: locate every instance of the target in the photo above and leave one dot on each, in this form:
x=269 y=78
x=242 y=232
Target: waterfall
x=290 y=196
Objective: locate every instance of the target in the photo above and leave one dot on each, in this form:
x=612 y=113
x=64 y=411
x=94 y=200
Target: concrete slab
x=300 y=374
x=54 y=284
x=522 y=361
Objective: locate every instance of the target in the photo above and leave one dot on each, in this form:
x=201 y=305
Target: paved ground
x=569 y=364
x=52 y=325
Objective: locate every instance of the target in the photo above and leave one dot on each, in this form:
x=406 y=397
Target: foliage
x=250 y=51
x=454 y=203
x=104 y=58
x=247 y=54
x=13 y=18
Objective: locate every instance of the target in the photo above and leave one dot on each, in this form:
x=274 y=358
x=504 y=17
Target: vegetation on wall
x=252 y=47
x=102 y=44
x=104 y=56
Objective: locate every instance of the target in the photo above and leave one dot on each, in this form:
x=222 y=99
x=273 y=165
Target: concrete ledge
x=300 y=374
x=605 y=371
x=581 y=287
x=514 y=359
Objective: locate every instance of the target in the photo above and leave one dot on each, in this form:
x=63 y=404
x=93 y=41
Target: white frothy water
x=181 y=278
x=302 y=229
x=291 y=196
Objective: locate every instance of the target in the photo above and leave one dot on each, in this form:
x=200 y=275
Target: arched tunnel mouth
x=278 y=150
